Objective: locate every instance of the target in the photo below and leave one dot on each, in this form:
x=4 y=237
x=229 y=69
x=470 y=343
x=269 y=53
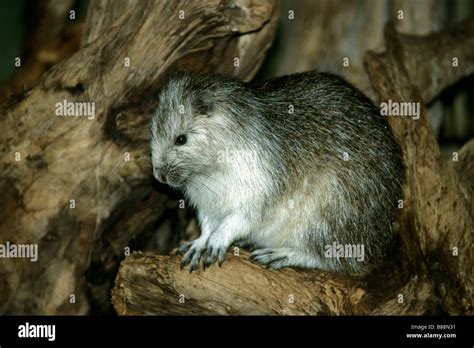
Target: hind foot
x=277 y=258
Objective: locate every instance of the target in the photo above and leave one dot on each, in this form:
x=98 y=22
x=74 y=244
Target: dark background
x=454 y=113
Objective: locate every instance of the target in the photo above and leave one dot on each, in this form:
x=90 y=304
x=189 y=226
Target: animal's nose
x=162 y=178
x=158 y=174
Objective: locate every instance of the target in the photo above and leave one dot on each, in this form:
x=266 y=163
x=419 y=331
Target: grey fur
x=287 y=189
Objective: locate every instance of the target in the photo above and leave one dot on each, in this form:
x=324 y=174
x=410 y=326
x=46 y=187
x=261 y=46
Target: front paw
x=192 y=253
x=215 y=252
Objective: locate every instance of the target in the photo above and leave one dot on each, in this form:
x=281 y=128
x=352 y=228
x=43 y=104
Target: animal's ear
x=204 y=103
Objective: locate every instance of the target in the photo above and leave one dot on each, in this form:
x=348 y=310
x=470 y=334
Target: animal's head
x=184 y=129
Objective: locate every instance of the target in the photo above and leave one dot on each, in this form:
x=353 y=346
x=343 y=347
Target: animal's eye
x=180 y=139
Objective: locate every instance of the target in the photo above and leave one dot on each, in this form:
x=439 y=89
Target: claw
x=187 y=258
x=209 y=252
x=198 y=252
x=221 y=258
x=195 y=261
x=185 y=247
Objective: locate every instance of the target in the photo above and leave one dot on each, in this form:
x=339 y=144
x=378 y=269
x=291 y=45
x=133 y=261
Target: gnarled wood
x=436 y=213
x=74 y=158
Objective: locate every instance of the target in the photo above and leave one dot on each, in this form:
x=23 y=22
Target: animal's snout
x=162 y=178
x=159 y=175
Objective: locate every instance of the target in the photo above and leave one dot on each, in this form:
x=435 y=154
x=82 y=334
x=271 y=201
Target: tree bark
x=148 y=285
x=436 y=215
x=67 y=182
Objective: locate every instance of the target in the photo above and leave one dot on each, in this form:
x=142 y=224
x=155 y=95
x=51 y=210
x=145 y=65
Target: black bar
x=257 y=330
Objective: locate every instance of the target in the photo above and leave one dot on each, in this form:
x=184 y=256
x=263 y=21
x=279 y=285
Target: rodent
x=313 y=164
